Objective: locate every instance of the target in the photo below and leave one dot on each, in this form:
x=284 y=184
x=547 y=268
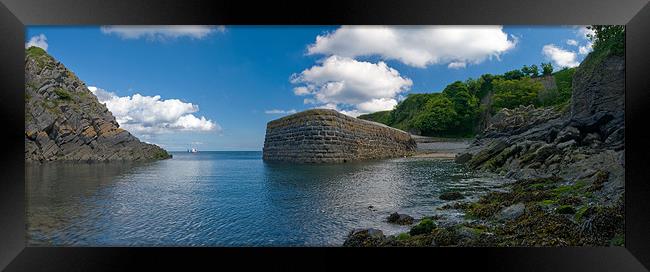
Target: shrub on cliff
x=607 y=40
x=513 y=93
x=379 y=117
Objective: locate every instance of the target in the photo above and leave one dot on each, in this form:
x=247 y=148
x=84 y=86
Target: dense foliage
x=608 y=38
x=510 y=93
x=457 y=110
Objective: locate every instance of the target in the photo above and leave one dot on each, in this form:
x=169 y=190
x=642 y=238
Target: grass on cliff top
x=35 y=52
x=40 y=56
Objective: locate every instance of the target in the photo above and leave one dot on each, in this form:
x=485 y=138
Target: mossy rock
x=425 y=226
x=402 y=236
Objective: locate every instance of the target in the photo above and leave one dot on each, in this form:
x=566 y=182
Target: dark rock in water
x=512 y=212
x=565 y=210
x=364 y=238
x=463 y=157
x=64 y=121
x=401 y=219
x=451 y=196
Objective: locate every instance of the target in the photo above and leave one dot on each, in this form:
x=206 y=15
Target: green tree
x=610 y=37
x=437 y=118
x=407 y=109
x=486 y=85
x=547 y=69
x=465 y=105
x=530 y=71
x=514 y=74
x=474 y=85
x=513 y=93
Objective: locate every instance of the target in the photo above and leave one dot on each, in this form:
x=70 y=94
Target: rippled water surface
x=232 y=199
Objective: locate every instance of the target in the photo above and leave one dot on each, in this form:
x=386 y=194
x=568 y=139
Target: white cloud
x=332 y=106
x=583 y=50
x=162 y=32
x=150 y=115
x=349 y=85
x=38 y=41
x=456 y=65
x=559 y=56
x=584 y=32
x=572 y=42
x=276 y=111
x=380 y=104
x=417 y=46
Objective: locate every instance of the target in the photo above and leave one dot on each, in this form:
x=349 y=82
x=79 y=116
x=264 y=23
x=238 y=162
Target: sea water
x=233 y=199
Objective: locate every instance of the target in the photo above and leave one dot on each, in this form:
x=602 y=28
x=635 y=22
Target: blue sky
x=237 y=78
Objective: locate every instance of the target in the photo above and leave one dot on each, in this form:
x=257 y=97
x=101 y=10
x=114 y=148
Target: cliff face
x=64 y=121
x=598 y=102
x=584 y=144
x=322 y=136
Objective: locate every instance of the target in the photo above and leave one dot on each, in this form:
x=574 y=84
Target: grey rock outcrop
x=64 y=121
x=529 y=142
x=512 y=212
x=598 y=101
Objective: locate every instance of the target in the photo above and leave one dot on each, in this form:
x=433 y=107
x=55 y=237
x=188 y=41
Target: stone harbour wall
x=327 y=136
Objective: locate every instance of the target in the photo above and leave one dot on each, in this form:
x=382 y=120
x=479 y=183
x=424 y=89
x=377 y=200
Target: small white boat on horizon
x=193 y=150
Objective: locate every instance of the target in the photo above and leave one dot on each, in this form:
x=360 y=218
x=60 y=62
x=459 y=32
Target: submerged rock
x=451 y=196
x=463 y=157
x=400 y=219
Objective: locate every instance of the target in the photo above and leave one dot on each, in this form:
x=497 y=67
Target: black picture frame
x=16 y=14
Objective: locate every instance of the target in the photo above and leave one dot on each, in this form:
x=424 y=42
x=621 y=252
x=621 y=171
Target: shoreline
x=440 y=148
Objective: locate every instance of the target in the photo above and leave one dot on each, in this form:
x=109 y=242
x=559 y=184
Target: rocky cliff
x=323 y=136
x=64 y=121
x=574 y=144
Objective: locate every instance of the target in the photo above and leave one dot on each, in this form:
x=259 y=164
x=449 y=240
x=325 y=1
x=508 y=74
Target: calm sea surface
x=232 y=199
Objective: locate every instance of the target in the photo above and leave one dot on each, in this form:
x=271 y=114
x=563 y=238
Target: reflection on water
x=231 y=199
